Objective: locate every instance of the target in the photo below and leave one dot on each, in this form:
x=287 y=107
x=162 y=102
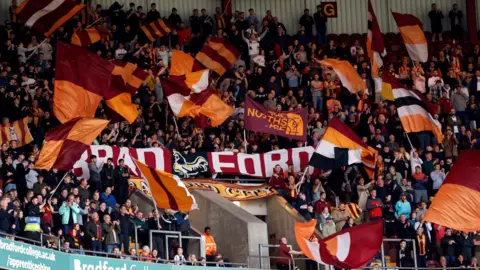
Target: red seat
x=344 y=38
x=447 y=35
x=332 y=37
x=355 y=36
x=393 y=255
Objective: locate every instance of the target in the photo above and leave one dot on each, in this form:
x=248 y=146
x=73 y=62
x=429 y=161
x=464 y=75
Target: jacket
x=111 y=234
x=362 y=191
x=403 y=208
x=108 y=199
x=340 y=218
x=91 y=230
x=277 y=182
x=120 y=180
x=108 y=174
x=6 y=221
x=450 y=147
x=374 y=207
x=210 y=245
x=64 y=211
x=94 y=172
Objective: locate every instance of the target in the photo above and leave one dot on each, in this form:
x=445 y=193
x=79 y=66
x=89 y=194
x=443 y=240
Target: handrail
x=50 y=236
x=22 y=238
x=135 y=232
x=260 y=251
x=290 y=259
x=166 y=242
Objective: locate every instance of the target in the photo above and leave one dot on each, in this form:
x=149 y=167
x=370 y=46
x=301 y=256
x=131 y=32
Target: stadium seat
x=345 y=38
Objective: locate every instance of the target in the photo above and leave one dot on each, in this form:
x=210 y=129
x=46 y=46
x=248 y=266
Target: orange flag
x=168 y=191
x=346 y=73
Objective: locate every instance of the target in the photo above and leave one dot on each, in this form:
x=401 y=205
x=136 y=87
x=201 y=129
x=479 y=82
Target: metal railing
x=180 y=237
x=260 y=250
x=44 y=236
x=135 y=231
x=414 y=249
x=291 y=264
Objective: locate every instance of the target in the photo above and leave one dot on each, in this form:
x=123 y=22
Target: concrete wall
x=254 y=207
x=280 y=221
x=237 y=232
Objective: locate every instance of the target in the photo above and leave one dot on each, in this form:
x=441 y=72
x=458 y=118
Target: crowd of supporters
x=278 y=68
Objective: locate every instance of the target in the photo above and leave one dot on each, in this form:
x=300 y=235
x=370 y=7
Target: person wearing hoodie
x=277 y=180
x=374 y=206
x=403 y=207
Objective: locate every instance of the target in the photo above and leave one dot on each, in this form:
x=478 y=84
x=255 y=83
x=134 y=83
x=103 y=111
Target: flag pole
x=302 y=179
x=410 y=142
x=90 y=25
x=174 y=120
x=245 y=138
x=36 y=49
x=59 y=183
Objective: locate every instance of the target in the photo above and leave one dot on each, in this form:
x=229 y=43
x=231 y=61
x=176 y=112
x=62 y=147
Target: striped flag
x=16 y=131
x=168 y=191
x=83 y=79
x=410 y=28
x=156 y=29
x=340 y=146
x=66 y=143
x=87 y=37
x=456 y=204
x=346 y=73
x=218 y=55
x=347 y=249
x=46 y=16
x=415 y=112
x=375 y=45
x=193 y=99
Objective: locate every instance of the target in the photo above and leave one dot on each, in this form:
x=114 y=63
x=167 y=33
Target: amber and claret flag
x=83 y=79
x=66 y=143
x=457 y=203
x=410 y=28
x=348 y=249
x=346 y=73
x=156 y=29
x=168 y=191
x=218 y=55
x=46 y=16
x=87 y=37
x=16 y=131
x=183 y=63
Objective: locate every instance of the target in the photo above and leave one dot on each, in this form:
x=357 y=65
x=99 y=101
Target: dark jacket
x=107 y=175
x=447 y=248
x=125 y=224
x=91 y=230
x=111 y=234
x=6 y=221
x=120 y=180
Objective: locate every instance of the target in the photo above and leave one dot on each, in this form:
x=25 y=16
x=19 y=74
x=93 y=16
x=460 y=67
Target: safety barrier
x=19 y=255
x=180 y=237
